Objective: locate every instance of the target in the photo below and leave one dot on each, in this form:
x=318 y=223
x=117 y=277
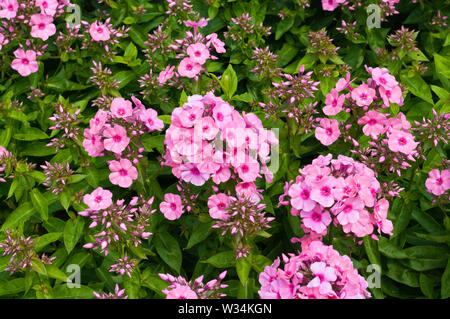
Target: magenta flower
x=198 y=52
x=116 y=139
x=400 y=141
x=99 y=199
x=334 y=103
x=9 y=9
x=99 y=32
x=42 y=26
x=171 y=207
x=328 y=131
x=189 y=68
x=121 y=108
x=363 y=95
x=122 y=173
x=438 y=182
x=25 y=62
x=374 y=123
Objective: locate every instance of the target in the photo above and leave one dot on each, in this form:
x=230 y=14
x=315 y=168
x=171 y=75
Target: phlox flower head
x=122 y=173
x=400 y=141
x=166 y=74
x=99 y=199
x=99 y=32
x=334 y=103
x=363 y=95
x=116 y=139
x=328 y=131
x=171 y=207
x=8 y=9
x=25 y=62
x=198 y=52
x=121 y=108
x=438 y=182
x=42 y=26
x=189 y=68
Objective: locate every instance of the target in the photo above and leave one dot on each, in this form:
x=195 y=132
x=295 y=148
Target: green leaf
x=20 y=214
x=229 y=82
x=417 y=86
x=46 y=239
x=55 y=273
x=168 y=249
x=389 y=249
x=64 y=198
x=30 y=134
x=427 y=284
x=371 y=248
x=224 y=259
x=72 y=233
x=259 y=262
x=445 y=282
x=283 y=26
x=243 y=268
x=402 y=275
x=426 y=221
x=438 y=237
x=12 y=286
x=81 y=292
x=200 y=233
x=442 y=65
x=40 y=203
x=151 y=142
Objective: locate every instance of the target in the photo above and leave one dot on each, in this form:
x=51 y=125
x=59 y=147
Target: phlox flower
x=331 y=5
x=393 y=95
x=92 y=143
x=316 y=219
x=180 y=292
x=301 y=197
x=328 y=131
x=9 y=9
x=121 y=108
x=382 y=77
x=323 y=276
x=380 y=211
x=438 y=182
x=348 y=212
x=98 y=122
x=198 y=52
x=25 y=62
x=249 y=170
x=334 y=103
x=323 y=193
x=166 y=74
x=218 y=45
x=217 y=206
x=116 y=139
x=363 y=95
x=99 y=32
x=99 y=199
x=400 y=141
x=151 y=120
x=171 y=207
x=47 y=6
x=189 y=68
x=190 y=173
x=122 y=173
x=42 y=26
x=374 y=123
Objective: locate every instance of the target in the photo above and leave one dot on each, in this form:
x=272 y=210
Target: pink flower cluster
x=113 y=130
x=317 y=272
x=196 y=137
x=117 y=221
x=4 y=155
x=194 y=50
x=180 y=288
x=342 y=191
x=438 y=182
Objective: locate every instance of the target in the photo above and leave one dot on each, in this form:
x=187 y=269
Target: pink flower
x=98 y=122
x=25 y=62
x=121 y=108
x=198 y=52
x=317 y=219
x=374 y=123
x=323 y=276
x=323 y=193
x=200 y=24
x=42 y=26
x=191 y=174
x=383 y=78
x=166 y=74
x=99 y=32
x=331 y=5
x=218 y=45
x=393 y=95
x=363 y=95
x=328 y=131
x=47 y=6
x=217 y=206
x=151 y=120
x=400 y=141
x=249 y=170
x=349 y=211
x=98 y=199
x=92 y=143
x=334 y=103
x=438 y=182
x=123 y=173
x=171 y=207
x=116 y=139
x=301 y=197
x=180 y=292
x=380 y=211
x=189 y=68
x=9 y=9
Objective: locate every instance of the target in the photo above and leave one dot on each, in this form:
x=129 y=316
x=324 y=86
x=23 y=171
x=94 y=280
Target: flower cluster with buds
x=246 y=33
x=180 y=288
x=64 y=120
x=317 y=272
x=196 y=137
x=342 y=191
x=436 y=129
x=118 y=294
x=116 y=132
x=57 y=175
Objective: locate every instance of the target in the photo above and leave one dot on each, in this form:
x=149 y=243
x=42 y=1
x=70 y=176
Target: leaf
x=445 y=282
x=200 y=233
x=427 y=284
x=402 y=275
x=81 y=292
x=426 y=221
x=40 y=203
x=30 y=134
x=46 y=239
x=259 y=262
x=283 y=26
x=150 y=142
x=438 y=237
x=223 y=259
x=243 y=268
x=64 y=199
x=371 y=248
x=55 y=273
x=72 y=233
x=389 y=249
x=229 y=82
x=168 y=249
x=20 y=214
x=417 y=86
x=442 y=65
x=12 y=286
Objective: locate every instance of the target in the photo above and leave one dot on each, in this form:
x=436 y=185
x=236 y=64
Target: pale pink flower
x=42 y=26
x=334 y=103
x=331 y=5
x=25 y=62
x=99 y=199
x=171 y=207
x=393 y=95
x=98 y=122
x=374 y=123
x=380 y=211
x=249 y=170
x=323 y=276
x=99 y=32
x=349 y=212
x=190 y=173
x=328 y=131
x=438 y=182
x=217 y=206
x=9 y=9
x=323 y=193
x=198 y=52
x=383 y=78
x=316 y=219
x=363 y=95
x=189 y=68
x=218 y=45
x=200 y=24
x=47 y=6
x=92 y=143
x=151 y=120
x=180 y=292
x=166 y=74
x=122 y=173
x=121 y=108
x=116 y=139
x=301 y=197
x=400 y=141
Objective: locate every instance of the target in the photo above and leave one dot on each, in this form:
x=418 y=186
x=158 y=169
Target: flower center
x=316 y=217
x=305 y=194
x=329 y=131
x=363 y=96
x=221 y=206
x=325 y=191
x=123 y=172
x=45 y=4
x=99 y=30
x=197 y=53
x=25 y=61
x=220 y=116
x=439 y=181
x=402 y=141
x=189 y=67
x=244 y=168
x=173 y=206
x=117 y=138
x=372 y=122
x=348 y=208
x=195 y=171
x=41 y=26
x=98 y=199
